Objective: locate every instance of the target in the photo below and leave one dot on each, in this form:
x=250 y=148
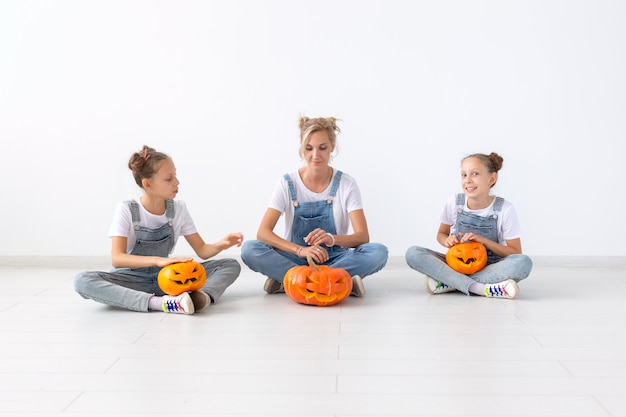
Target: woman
x=319 y=203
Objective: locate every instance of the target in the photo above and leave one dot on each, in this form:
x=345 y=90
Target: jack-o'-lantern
x=175 y=279
x=467 y=257
x=317 y=285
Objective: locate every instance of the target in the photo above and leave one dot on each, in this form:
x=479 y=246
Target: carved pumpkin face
x=317 y=285
x=467 y=257
x=175 y=279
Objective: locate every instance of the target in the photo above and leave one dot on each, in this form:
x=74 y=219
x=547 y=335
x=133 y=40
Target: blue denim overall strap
x=153 y=242
x=308 y=216
x=484 y=226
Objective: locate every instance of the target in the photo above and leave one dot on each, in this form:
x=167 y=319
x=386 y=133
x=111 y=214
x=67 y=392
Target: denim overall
x=150 y=242
x=131 y=288
x=363 y=260
x=308 y=216
x=153 y=242
x=483 y=226
x=433 y=264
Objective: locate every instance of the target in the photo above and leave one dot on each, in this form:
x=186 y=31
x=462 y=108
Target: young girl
x=476 y=215
x=319 y=203
x=143 y=233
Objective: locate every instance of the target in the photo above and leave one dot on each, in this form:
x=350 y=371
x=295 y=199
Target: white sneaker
x=273 y=286
x=358 y=289
x=181 y=304
x=504 y=289
x=435 y=287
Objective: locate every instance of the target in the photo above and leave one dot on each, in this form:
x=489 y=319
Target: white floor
x=558 y=350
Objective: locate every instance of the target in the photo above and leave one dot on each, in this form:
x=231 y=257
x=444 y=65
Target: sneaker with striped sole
x=435 y=287
x=181 y=304
x=505 y=289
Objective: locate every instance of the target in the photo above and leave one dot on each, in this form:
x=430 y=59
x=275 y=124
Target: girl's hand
x=319 y=254
x=451 y=241
x=318 y=237
x=168 y=261
x=471 y=237
x=230 y=240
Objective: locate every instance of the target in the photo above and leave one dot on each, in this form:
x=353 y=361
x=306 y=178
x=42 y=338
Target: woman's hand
x=319 y=237
x=318 y=253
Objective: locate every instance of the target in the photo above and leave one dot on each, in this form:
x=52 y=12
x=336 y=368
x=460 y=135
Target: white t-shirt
x=347 y=199
x=122 y=224
x=508 y=225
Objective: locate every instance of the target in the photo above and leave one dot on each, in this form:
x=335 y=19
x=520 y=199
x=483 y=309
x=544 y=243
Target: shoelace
x=496 y=291
x=172 y=305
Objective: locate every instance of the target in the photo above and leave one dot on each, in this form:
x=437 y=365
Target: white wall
x=219 y=85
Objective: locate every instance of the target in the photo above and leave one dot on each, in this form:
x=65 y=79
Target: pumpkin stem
x=312 y=264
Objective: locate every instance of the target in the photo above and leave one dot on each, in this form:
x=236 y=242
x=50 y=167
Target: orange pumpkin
x=467 y=257
x=175 y=279
x=317 y=285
